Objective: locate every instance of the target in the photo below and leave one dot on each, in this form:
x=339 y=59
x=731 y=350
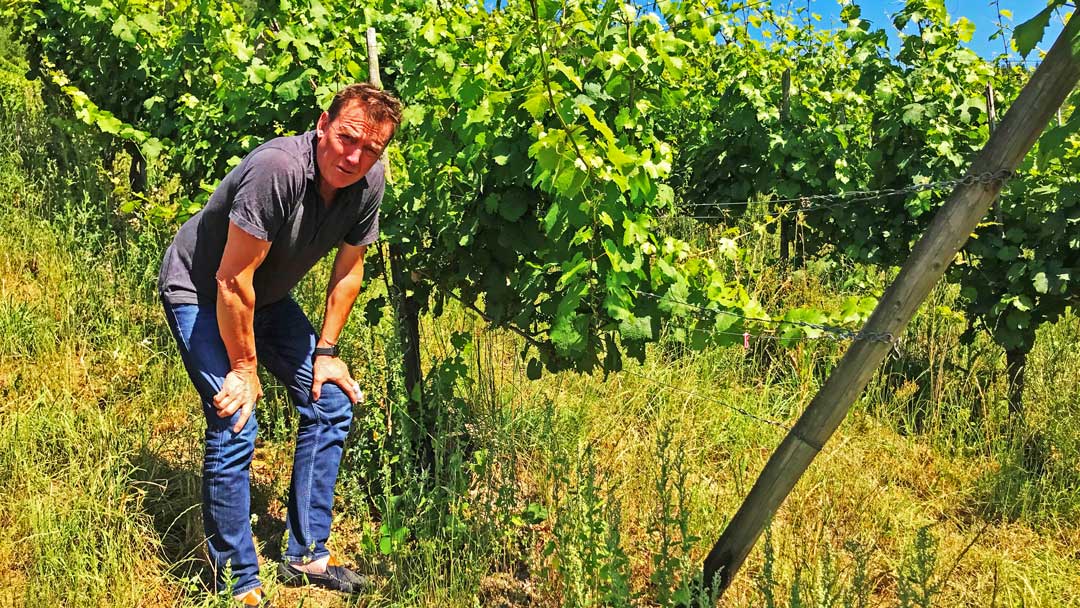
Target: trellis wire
x=762 y=336
x=831 y=331
x=840 y=199
x=855 y=196
x=733 y=408
x=842 y=333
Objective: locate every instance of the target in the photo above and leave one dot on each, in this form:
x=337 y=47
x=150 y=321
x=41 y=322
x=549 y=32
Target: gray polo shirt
x=272 y=195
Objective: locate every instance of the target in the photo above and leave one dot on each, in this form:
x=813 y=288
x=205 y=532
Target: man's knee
x=334 y=405
x=225 y=448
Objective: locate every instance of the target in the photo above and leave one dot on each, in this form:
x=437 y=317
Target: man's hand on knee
x=333 y=369
x=240 y=390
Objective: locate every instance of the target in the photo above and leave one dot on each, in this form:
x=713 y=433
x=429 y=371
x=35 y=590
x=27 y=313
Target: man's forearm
x=339 y=302
x=235 y=317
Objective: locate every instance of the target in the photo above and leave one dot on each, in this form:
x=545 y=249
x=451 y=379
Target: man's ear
x=321 y=126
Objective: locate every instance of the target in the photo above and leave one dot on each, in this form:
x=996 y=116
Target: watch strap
x=330 y=351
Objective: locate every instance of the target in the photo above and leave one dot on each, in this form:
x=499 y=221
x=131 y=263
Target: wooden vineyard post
x=376 y=79
x=991 y=119
x=408 y=309
x=955 y=221
x=787 y=224
x=1015 y=359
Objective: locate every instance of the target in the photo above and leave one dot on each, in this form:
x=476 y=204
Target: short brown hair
x=382 y=107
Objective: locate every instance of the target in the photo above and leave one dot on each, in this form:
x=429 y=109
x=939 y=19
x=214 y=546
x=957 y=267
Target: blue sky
x=983 y=13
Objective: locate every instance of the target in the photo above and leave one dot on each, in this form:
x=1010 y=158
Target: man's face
x=349 y=145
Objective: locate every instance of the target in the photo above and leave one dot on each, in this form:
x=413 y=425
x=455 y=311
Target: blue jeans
x=284 y=342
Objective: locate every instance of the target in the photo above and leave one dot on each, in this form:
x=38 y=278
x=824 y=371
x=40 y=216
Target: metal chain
x=852 y=196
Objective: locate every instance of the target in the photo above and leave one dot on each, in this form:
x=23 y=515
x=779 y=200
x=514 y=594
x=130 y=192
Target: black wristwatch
x=330 y=351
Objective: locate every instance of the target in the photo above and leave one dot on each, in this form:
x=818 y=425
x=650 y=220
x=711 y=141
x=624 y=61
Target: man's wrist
x=326 y=351
x=245 y=366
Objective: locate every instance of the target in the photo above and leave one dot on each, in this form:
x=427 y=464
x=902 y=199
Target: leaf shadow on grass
x=173 y=499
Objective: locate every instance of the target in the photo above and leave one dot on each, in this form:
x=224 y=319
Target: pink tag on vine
x=746 y=340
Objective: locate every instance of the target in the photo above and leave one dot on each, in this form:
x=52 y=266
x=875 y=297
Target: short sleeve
x=366 y=229
x=265 y=193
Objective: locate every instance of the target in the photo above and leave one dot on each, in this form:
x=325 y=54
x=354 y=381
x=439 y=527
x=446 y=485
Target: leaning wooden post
x=948 y=232
x=408 y=309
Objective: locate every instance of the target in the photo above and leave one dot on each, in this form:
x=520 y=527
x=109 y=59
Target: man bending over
x=225 y=283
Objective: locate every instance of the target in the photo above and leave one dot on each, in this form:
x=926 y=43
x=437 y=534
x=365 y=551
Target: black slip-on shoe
x=337 y=577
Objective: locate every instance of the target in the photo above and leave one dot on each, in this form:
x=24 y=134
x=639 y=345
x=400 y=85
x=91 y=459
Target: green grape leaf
x=965 y=29
x=534 y=369
x=109 y=123
x=636 y=329
x=151 y=148
x=1029 y=33
x=1009 y=253
x=1040 y=282
x=148 y=23
x=512 y=205
x=913 y=113
x=122 y=29
x=566 y=333
x=1052 y=143
x=573 y=267
x=568 y=329
x=373 y=310
x=565 y=70
x=602 y=128
x=537 y=103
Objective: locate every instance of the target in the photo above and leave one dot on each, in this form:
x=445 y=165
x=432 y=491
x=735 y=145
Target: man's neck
x=327 y=192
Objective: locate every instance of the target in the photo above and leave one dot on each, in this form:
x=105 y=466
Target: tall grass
x=76 y=373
